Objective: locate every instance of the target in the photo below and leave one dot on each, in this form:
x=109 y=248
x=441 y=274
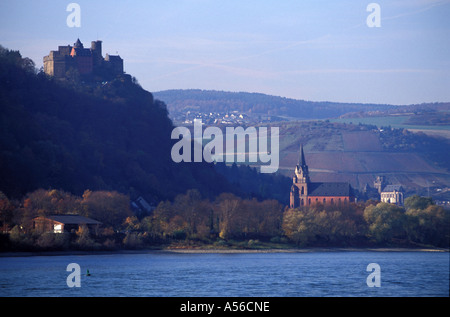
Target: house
x=306 y=193
x=141 y=207
x=393 y=194
x=64 y=223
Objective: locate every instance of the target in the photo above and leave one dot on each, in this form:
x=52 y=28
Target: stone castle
x=88 y=62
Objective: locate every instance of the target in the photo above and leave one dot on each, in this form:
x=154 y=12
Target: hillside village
x=230 y=118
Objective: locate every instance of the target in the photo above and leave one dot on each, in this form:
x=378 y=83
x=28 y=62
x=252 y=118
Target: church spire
x=301 y=170
x=301 y=159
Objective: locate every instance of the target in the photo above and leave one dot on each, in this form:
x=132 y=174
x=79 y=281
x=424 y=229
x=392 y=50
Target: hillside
x=258 y=106
x=116 y=136
x=71 y=136
x=359 y=153
x=257 y=103
x=406 y=153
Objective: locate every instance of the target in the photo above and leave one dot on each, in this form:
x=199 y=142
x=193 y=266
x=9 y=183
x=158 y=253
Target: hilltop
x=73 y=136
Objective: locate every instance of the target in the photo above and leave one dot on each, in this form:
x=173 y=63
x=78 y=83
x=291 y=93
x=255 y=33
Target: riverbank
x=306 y=250
x=221 y=250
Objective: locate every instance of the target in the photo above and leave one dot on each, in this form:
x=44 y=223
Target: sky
x=317 y=50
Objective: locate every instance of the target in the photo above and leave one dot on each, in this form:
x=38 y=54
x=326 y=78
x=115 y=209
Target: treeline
x=420 y=222
x=189 y=217
x=432 y=118
x=433 y=149
x=227 y=220
x=109 y=207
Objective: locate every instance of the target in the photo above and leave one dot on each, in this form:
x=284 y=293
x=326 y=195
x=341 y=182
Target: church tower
x=300 y=181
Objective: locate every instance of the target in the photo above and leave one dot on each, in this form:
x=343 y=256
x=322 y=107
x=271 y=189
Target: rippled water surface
x=248 y=274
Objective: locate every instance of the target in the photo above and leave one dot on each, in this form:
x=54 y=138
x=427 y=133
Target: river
x=295 y=274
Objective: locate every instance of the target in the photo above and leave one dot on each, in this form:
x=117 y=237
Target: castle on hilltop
x=88 y=62
x=306 y=193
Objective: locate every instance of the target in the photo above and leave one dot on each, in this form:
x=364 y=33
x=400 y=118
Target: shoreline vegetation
x=226 y=224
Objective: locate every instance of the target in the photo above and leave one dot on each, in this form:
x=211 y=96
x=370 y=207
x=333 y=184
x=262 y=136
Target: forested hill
x=206 y=101
x=73 y=136
x=220 y=101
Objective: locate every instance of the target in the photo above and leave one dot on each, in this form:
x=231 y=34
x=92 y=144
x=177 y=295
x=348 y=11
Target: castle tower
x=379 y=183
x=96 y=49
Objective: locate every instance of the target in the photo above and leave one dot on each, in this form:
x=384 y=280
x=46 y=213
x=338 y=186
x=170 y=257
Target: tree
x=6 y=211
x=191 y=209
x=417 y=202
x=109 y=207
x=320 y=224
x=429 y=226
x=84 y=240
x=385 y=221
x=44 y=203
x=227 y=209
x=299 y=227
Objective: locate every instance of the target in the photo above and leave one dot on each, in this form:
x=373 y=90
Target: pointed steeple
x=301 y=170
x=301 y=159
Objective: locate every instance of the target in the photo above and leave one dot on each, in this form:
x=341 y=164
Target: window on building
x=57 y=228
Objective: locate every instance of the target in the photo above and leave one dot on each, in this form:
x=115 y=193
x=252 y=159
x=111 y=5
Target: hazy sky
x=313 y=50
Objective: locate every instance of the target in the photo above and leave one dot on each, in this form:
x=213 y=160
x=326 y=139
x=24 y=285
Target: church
x=307 y=193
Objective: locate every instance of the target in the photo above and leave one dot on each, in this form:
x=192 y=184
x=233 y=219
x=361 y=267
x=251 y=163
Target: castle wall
x=84 y=64
x=55 y=64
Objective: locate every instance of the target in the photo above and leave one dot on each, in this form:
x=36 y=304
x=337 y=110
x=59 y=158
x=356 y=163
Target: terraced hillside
x=357 y=154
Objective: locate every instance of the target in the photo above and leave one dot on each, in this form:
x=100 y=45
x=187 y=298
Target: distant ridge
x=179 y=100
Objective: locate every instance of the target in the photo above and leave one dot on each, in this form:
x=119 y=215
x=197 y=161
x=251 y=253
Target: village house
x=64 y=223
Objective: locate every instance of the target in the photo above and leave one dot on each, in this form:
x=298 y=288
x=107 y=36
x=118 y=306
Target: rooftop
x=392 y=188
x=329 y=189
x=73 y=220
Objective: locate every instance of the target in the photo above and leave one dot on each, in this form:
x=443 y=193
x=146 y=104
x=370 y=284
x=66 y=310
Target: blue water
x=229 y=275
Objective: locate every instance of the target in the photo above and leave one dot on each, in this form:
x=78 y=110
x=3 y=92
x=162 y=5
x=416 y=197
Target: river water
x=155 y=274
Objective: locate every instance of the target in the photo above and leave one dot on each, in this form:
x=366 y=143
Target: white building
x=393 y=194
